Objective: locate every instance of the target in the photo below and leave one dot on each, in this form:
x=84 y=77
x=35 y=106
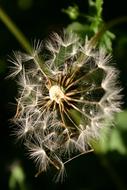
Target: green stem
x=15 y=31
x=94 y=40
x=21 y=39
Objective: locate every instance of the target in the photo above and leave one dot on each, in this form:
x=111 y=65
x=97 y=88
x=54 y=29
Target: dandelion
x=64 y=101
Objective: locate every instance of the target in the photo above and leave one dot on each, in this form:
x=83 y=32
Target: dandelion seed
x=17 y=65
x=60 y=109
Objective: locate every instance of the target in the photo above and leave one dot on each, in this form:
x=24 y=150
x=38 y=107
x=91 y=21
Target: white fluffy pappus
x=64 y=100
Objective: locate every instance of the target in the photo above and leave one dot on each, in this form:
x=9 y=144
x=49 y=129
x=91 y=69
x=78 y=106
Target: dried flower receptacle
x=63 y=103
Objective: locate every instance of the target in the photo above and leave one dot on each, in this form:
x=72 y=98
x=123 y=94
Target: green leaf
x=17 y=178
x=121 y=120
x=72 y=12
x=81 y=29
x=106 y=41
x=114 y=139
x=116 y=142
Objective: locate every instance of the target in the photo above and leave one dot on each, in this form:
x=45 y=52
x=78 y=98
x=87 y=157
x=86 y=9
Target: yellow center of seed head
x=56 y=93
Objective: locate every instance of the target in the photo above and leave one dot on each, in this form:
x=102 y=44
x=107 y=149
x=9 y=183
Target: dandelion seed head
x=63 y=103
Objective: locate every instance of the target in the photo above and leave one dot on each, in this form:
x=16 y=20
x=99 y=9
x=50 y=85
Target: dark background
x=37 y=20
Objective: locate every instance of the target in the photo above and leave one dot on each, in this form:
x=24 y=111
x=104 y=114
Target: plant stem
x=15 y=31
x=94 y=40
x=21 y=39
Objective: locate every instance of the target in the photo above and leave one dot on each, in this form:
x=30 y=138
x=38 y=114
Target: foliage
x=91 y=23
x=17 y=177
x=116 y=140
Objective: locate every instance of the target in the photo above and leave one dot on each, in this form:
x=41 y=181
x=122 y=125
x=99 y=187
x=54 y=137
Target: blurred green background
x=105 y=170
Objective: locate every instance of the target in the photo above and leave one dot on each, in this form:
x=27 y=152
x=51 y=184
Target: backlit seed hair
x=64 y=100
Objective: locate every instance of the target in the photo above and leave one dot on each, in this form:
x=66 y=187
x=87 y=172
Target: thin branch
x=15 y=31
